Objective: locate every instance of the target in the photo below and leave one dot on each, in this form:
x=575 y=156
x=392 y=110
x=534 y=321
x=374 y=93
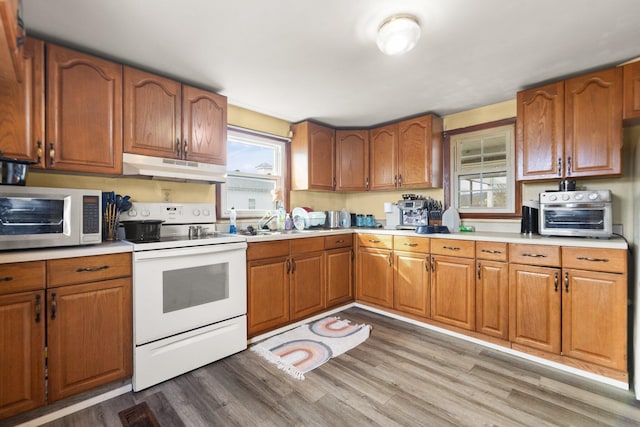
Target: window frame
x=448 y=173
x=222 y=211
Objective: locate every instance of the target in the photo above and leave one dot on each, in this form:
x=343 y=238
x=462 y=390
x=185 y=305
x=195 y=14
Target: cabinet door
x=22 y=111
x=12 y=27
x=22 y=379
x=411 y=283
x=418 y=141
x=352 y=160
x=492 y=299
x=594 y=317
x=453 y=292
x=152 y=114
x=540 y=132
x=267 y=294
x=631 y=73
x=204 y=126
x=84 y=112
x=534 y=307
x=383 y=158
x=593 y=124
x=321 y=157
x=307 y=285
x=339 y=269
x=89 y=336
x=375 y=276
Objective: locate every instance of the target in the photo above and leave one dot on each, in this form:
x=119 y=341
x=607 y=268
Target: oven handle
x=18 y=224
x=193 y=250
x=578 y=222
x=573 y=206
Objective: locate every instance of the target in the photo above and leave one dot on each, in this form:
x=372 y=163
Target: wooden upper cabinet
x=84 y=112
x=22 y=112
x=631 y=77
x=420 y=152
x=593 y=124
x=571 y=128
x=312 y=157
x=204 y=126
x=12 y=37
x=152 y=114
x=540 y=132
x=383 y=154
x=352 y=160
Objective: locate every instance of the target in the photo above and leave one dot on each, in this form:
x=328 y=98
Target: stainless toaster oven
x=576 y=213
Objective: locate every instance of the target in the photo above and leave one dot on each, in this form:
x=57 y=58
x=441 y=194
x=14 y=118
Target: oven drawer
x=69 y=271
x=545 y=255
x=608 y=260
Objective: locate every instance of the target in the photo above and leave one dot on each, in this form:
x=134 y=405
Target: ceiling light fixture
x=398 y=34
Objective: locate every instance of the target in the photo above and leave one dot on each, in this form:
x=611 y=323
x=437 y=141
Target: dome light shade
x=398 y=34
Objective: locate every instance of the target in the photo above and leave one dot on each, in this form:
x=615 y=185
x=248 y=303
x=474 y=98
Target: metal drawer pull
x=535 y=255
x=410 y=244
x=555 y=283
x=479 y=269
x=490 y=251
x=582 y=258
x=6 y=279
x=91 y=269
x=374 y=241
x=340 y=241
x=38 y=308
x=54 y=306
x=566 y=282
x=451 y=248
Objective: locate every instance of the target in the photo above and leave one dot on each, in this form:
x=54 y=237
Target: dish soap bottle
x=232 y=221
x=287 y=222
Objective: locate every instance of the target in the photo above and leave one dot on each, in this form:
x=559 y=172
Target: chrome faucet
x=265 y=220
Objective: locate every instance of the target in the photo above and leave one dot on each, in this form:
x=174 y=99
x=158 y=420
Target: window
x=482 y=171
x=255 y=168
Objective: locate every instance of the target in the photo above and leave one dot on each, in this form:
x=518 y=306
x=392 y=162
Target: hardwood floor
x=402 y=375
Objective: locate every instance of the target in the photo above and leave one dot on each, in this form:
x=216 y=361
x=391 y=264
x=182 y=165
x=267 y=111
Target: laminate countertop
x=106 y=248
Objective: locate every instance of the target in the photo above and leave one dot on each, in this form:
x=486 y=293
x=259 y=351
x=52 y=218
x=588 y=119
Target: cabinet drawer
x=534 y=254
x=22 y=277
x=494 y=251
x=382 y=241
x=411 y=244
x=451 y=247
x=69 y=271
x=609 y=260
x=339 y=241
x=308 y=244
x=273 y=249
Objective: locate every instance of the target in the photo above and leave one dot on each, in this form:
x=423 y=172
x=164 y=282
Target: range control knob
x=206 y=212
x=132 y=212
x=579 y=196
x=145 y=212
x=593 y=196
x=553 y=198
x=196 y=212
x=565 y=197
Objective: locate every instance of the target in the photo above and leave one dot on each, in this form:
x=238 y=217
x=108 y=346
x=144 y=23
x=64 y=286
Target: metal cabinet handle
x=91 y=269
x=479 y=268
x=38 y=308
x=413 y=245
x=433 y=265
x=555 y=283
x=293 y=266
x=566 y=282
x=582 y=258
x=288 y=266
x=340 y=241
x=184 y=149
x=490 y=251
x=559 y=166
x=335 y=183
x=426 y=263
x=535 y=255
x=390 y=259
x=451 y=248
x=52 y=153
x=6 y=279
x=178 y=147
x=374 y=241
x=39 y=152
x=366 y=183
x=569 y=166
x=400 y=180
x=54 y=306
x=395 y=180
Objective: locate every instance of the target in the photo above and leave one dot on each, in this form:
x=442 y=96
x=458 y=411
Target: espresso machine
x=416 y=210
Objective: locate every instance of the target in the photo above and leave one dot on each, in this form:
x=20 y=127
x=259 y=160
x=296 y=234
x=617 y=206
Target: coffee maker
x=414 y=211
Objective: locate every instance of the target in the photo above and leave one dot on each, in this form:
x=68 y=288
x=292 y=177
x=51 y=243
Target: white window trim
x=455 y=142
x=253 y=137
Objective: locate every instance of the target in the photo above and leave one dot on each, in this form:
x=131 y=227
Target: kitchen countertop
x=65 y=252
x=613 y=243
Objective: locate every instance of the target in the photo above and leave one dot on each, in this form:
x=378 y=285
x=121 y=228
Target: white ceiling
x=299 y=59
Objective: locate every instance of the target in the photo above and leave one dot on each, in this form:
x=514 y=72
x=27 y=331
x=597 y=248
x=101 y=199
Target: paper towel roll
x=388 y=207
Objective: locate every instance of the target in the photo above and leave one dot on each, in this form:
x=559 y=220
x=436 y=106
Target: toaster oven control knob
x=593 y=196
x=206 y=212
x=196 y=212
x=579 y=196
x=553 y=198
x=565 y=197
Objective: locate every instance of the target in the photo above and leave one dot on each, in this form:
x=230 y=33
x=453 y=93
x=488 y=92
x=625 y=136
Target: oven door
x=177 y=290
x=586 y=220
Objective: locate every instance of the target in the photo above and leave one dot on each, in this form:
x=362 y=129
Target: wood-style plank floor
x=402 y=375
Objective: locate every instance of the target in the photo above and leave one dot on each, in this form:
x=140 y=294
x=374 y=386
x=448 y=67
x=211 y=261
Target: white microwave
x=39 y=217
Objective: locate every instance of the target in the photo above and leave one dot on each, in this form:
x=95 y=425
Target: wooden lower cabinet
x=375 y=276
x=594 y=319
x=22 y=359
x=453 y=291
x=534 y=307
x=411 y=283
x=306 y=285
x=339 y=268
x=267 y=293
x=89 y=334
x=492 y=299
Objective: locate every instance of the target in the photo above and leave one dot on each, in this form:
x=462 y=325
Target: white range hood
x=172 y=169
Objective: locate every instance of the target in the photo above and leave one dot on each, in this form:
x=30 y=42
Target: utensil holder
x=111 y=221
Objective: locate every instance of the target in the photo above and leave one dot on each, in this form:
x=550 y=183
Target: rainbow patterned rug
x=308 y=346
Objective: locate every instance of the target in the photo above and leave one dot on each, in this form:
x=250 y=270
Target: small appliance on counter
x=337 y=219
x=530 y=217
x=416 y=210
x=392 y=213
x=583 y=213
